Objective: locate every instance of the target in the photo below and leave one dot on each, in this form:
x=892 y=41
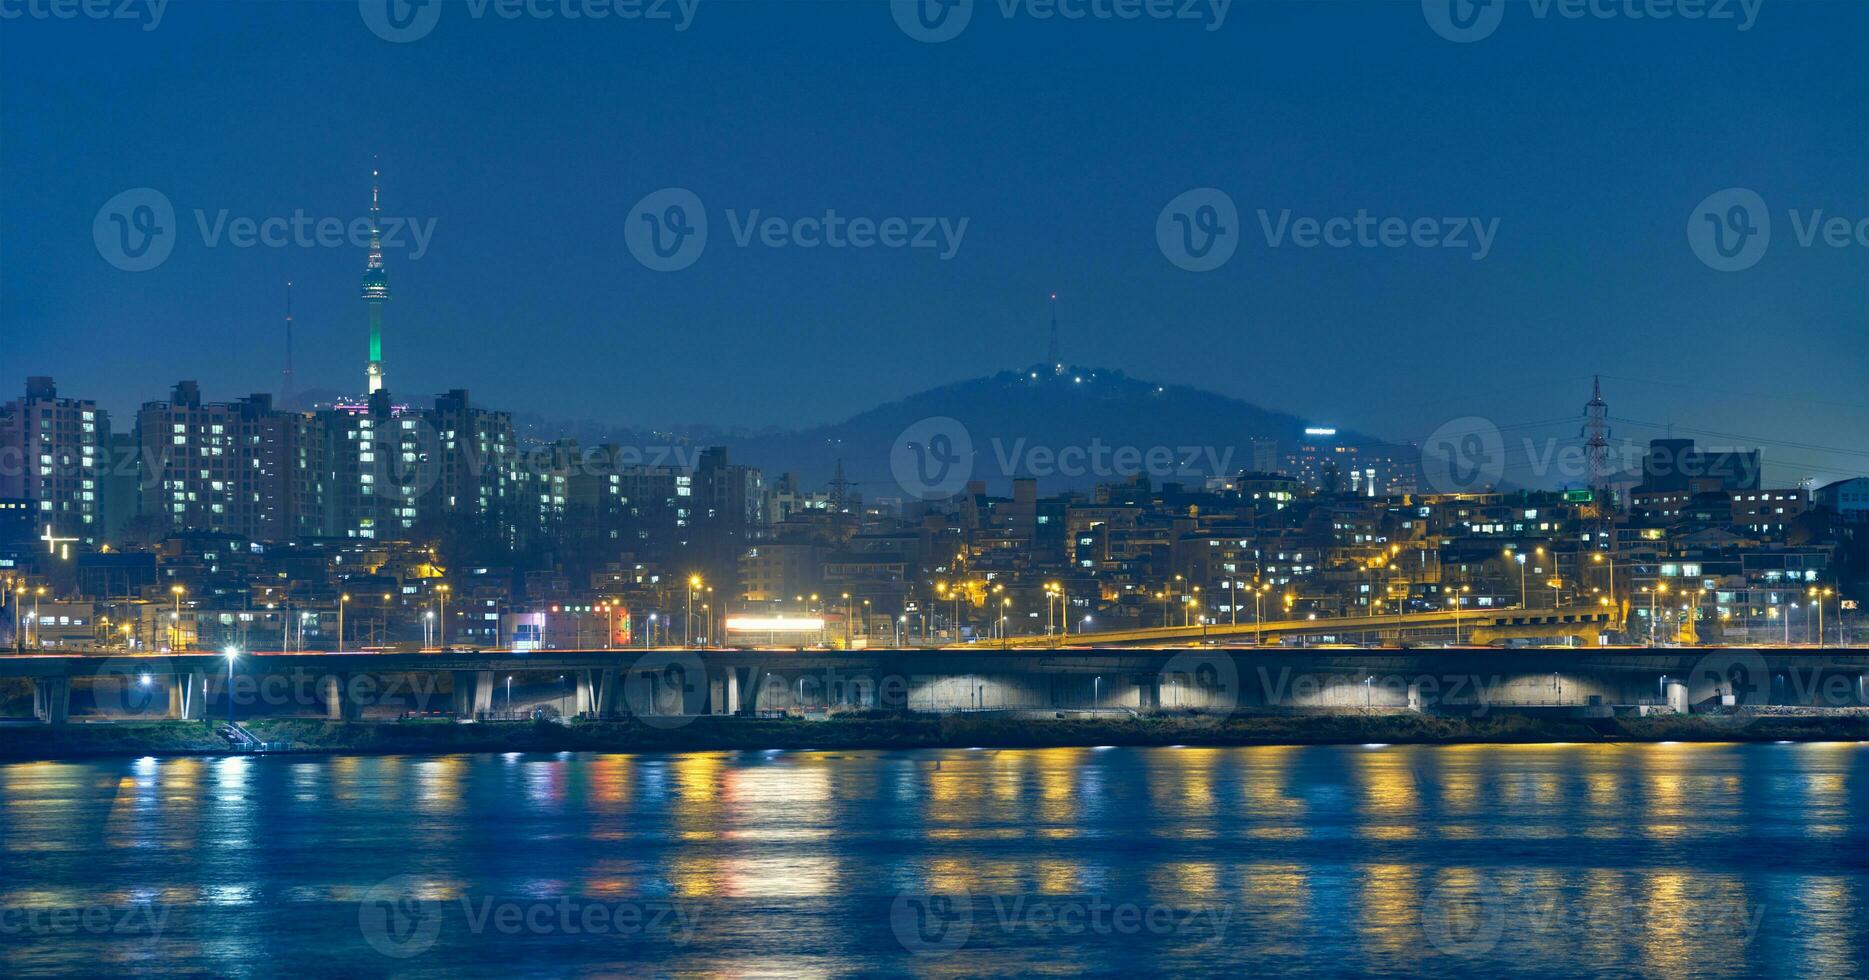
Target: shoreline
x=28 y=743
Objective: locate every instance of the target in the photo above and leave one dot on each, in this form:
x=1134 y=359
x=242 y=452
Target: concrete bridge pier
x=334 y=691
x=1414 y=696
x=609 y=693
x=187 y=697
x=587 y=692
x=1151 y=690
x=717 y=691
x=473 y=693
x=483 y=692
x=51 y=699
x=178 y=697
x=730 y=692
x=1674 y=693
x=463 y=682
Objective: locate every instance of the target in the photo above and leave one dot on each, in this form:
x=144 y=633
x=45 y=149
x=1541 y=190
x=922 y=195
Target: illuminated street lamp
x=687 y=625
x=175 y=620
x=441 y=628
x=341 y=600
x=232 y=653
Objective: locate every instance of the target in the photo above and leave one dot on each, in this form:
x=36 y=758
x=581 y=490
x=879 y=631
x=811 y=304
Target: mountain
x=1071 y=430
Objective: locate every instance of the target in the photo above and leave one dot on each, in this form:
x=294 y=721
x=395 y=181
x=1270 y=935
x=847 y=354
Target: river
x=1553 y=860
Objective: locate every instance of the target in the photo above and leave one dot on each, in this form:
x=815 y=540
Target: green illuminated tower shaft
x=375 y=290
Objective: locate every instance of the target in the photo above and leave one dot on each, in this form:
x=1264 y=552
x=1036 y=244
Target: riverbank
x=913 y=732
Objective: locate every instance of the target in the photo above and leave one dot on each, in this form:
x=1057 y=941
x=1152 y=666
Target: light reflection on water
x=1536 y=860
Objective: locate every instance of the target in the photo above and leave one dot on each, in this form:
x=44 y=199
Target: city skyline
x=526 y=262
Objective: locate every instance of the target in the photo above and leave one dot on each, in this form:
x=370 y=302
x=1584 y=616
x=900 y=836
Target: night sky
x=527 y=142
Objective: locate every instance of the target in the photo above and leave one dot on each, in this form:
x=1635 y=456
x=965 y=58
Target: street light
x=38 y=631
x=687 y=625
x=441 y=628
x=175 y=620
x=232 y=653
x=341 y=600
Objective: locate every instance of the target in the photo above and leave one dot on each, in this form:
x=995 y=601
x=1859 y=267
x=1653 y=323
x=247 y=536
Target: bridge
x=666 y=686
x=1479 y=627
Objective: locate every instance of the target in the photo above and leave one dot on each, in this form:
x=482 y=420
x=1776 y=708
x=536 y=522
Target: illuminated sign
x=1320 y=432
x=775 y=624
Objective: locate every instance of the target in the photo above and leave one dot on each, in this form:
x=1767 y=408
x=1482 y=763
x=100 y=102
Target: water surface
x=1664 y=860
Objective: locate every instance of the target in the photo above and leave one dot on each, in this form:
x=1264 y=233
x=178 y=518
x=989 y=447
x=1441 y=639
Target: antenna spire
x=288 y=387
x=375 y=288
x=1052 y=355
x=1596 y=447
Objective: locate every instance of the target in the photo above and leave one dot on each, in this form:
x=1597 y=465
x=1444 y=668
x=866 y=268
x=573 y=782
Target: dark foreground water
x=1662 y=860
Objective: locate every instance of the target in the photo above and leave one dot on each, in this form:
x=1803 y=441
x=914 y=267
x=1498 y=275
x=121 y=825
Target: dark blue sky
x=527 y=141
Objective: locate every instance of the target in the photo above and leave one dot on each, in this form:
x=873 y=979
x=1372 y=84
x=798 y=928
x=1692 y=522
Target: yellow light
x=775 y=624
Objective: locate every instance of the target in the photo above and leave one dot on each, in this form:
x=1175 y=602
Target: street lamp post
x=341 y=601
x=441 y=622
x=232 y=653
x=687 y=625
